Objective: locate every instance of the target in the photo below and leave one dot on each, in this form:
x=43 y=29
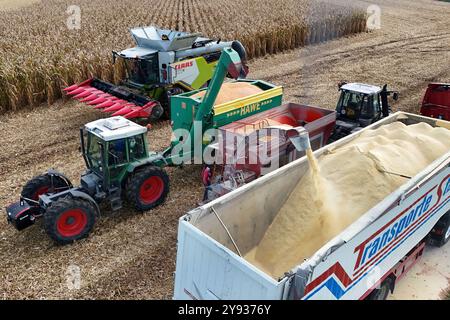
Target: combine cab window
x=143 y=71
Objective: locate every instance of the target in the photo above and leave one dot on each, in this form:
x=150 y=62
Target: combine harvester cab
x=436 y=102
x=164 y=63
x=214 y=238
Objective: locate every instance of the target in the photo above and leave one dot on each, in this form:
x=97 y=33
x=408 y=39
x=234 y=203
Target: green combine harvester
x=120 y=164
x=163 y=63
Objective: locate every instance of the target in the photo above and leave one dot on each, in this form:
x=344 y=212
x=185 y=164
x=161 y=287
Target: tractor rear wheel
x=147 y=188
x=69 y=219
x=40 y=185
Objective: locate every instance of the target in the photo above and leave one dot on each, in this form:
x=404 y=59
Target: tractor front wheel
x=69 y=219
x=147 y=188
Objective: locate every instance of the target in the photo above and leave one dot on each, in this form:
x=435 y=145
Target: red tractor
x=436 y=102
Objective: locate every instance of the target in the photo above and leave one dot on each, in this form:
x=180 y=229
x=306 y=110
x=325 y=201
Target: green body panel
x=116 y=174
x=205 y=72
x=154 y=93
x=184 y=107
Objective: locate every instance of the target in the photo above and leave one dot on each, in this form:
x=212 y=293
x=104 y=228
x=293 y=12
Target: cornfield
x=39 y=54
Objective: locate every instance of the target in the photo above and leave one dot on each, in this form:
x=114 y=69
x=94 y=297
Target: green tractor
x=121 y=166
x=118 y=164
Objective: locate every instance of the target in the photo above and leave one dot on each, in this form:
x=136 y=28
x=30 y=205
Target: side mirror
x=340 y=84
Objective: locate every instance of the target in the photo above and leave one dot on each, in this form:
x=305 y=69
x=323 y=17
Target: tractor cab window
x=136 y=147
x=117 y=152
x=94 y=151
x=350 y=104
x=367 y=110
x=143 y=71
x=376 y=103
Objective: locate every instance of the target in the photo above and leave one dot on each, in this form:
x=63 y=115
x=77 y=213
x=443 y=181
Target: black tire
x=157 y=112
x=166 y=101
x=441 y=231
x=147 y=188
x=57 y=221
x=40 y=185
x=382 y=292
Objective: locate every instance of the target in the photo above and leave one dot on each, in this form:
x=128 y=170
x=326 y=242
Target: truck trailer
x=213 y=238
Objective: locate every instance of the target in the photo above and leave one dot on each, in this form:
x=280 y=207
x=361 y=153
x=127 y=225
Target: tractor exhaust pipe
x=384 y=101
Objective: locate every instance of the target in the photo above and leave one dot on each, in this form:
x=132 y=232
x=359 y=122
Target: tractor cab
x=360 y=105
x=110 y=145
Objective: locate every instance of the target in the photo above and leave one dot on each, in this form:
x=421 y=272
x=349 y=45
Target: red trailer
x=436 y=102
x=260 y=144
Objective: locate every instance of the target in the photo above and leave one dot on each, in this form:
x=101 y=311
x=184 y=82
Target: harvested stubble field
x=43 y=55
x=132 y=255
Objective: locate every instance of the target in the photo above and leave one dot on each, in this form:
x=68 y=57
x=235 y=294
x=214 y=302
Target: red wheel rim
x=39 y=191
x=71 y=222
x=151 y=190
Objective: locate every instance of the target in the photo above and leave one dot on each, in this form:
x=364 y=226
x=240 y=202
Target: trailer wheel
x=382 y=292
x=69 y=219
x=147 y=188
x=441 y=231
x=40 y=185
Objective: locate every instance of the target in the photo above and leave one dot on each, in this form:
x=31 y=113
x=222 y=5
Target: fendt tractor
x=164 y=63
x=120 y=164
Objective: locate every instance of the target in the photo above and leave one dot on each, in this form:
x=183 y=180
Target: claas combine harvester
x=163 y=63
x=120 y=164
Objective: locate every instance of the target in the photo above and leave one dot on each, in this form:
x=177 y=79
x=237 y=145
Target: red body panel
x=317 y=121
x=85 y=92
x=436 y=102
